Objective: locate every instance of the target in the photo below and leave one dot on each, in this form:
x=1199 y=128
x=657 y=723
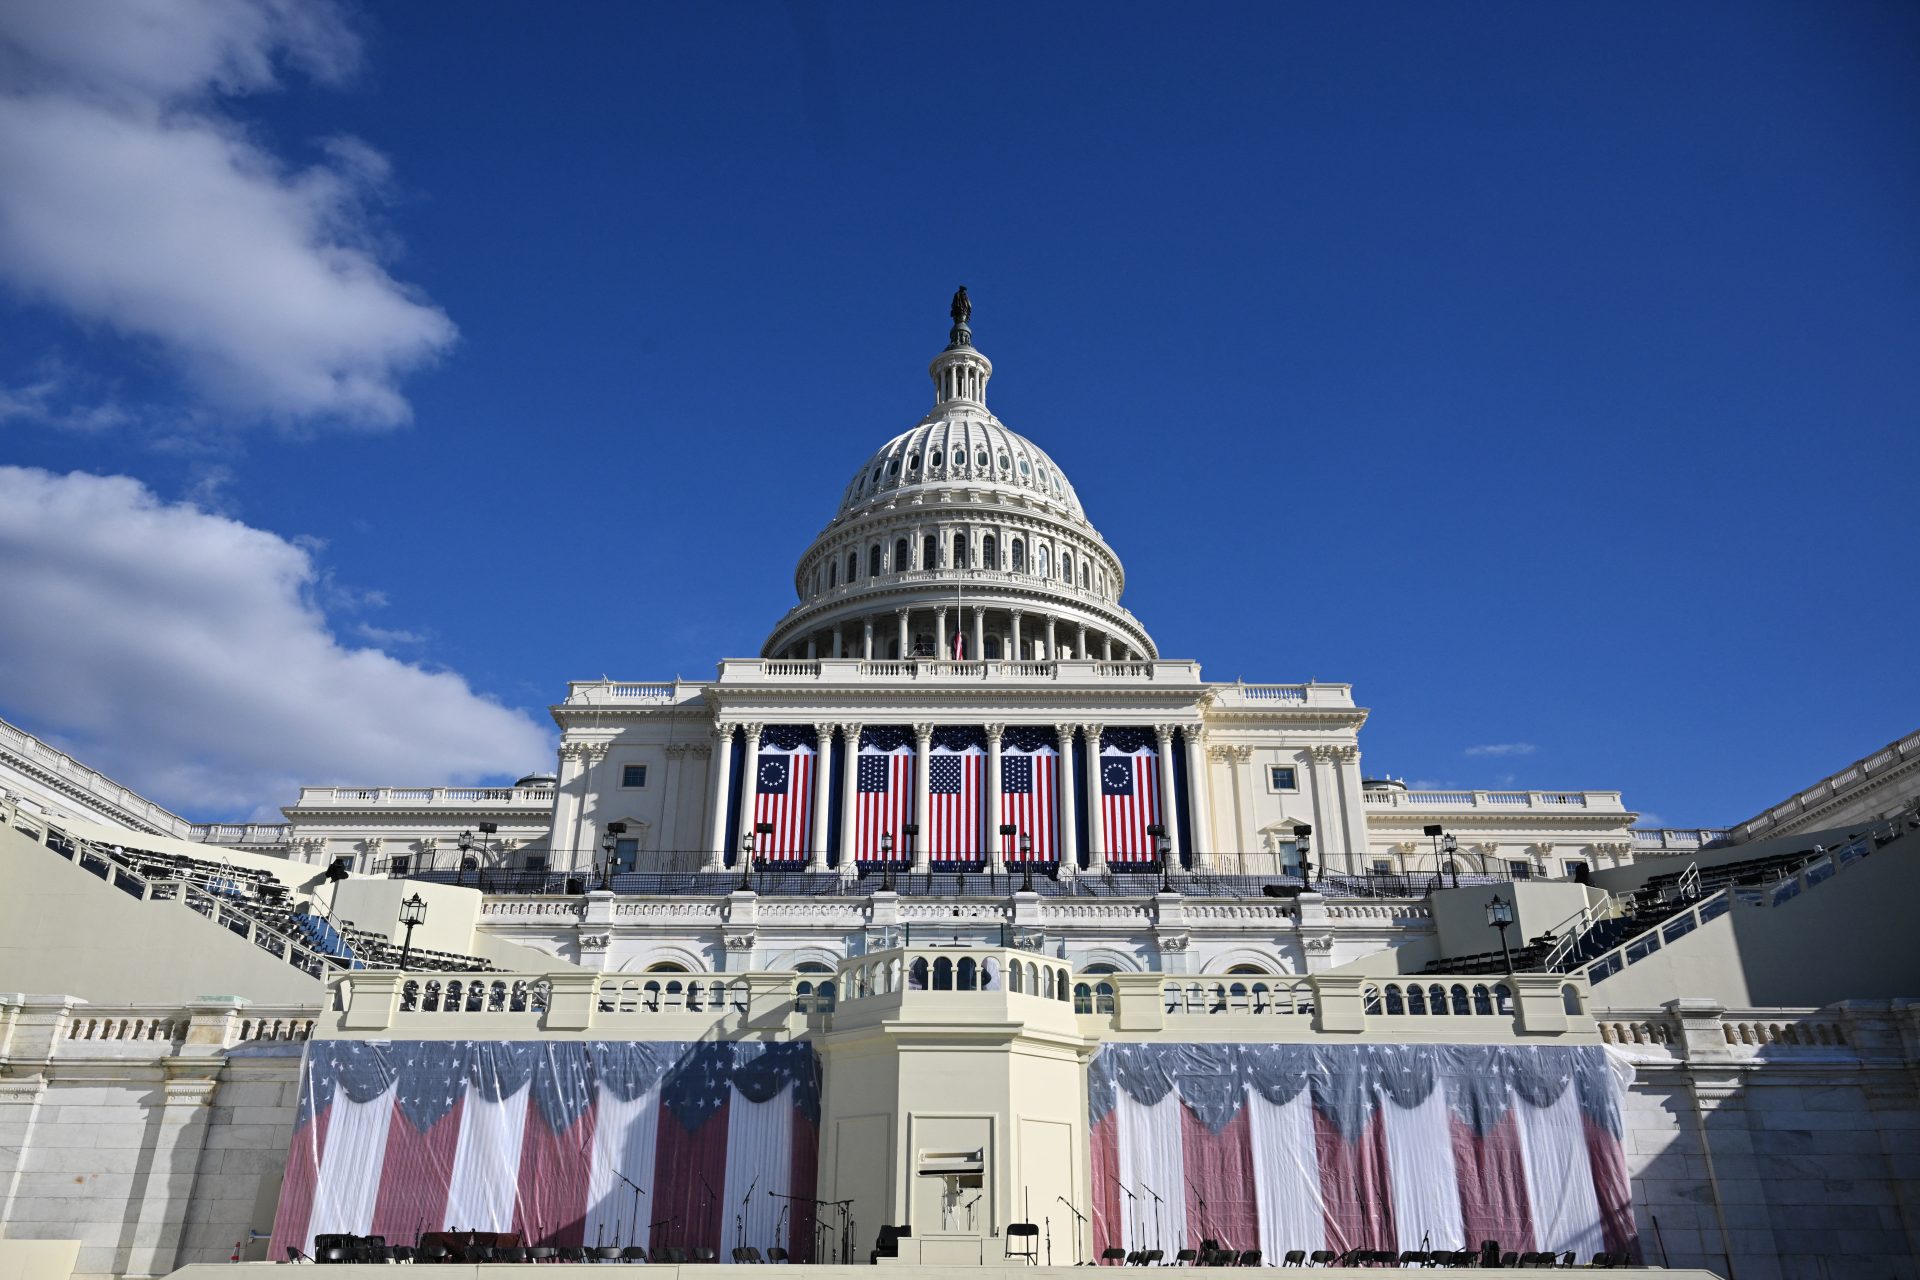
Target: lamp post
x=1303 y=843
x=1162 y=847
x=765 y=830
x=1500 y=916
x=746 y=861
x=886 y=861
x=610 y=842
x=1026 y=863
x=1450 y=846
x=911 y=831
x=413 y=911
x=466 y=856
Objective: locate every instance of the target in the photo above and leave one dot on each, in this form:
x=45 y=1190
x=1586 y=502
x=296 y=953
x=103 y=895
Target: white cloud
x=184 y=653
x=134 y=200
x=1503 y=749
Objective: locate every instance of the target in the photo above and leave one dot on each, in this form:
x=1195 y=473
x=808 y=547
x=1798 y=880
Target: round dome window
x=1003 y=462
x=876 y=475
x=913 y=463
x=980 y=459
x=935 y=460
x=1024 y=468
x=893 y=468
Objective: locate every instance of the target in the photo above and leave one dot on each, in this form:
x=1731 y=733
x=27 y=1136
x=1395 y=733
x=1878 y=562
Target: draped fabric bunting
x=1359 y=1146
x=956 y=790
x=1029 y=769
x=883 y=790
x=566 y=1143
x=783 y=791
x=1129 y=793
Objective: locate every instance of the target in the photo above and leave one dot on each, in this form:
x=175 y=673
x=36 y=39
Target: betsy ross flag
x=542 y=1138
x=783 y=791
x=883 y=790
x=956 y=788
x=1029 y=773
x=1129 y=793
x=1388 y=1147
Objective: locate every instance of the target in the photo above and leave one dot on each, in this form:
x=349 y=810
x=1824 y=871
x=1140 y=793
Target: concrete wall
x=63 y=929
x=1460 y=915
x=374 y=905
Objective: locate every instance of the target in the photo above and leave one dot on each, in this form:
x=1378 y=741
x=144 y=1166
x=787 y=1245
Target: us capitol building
x=958 y=928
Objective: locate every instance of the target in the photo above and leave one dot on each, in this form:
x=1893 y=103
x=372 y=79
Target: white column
x=822 y=770
x=1080 y=643
x=838 y=650
x=1352 y=802
x=1199 y=812
x=1069 y=821
x=1096 y=830
x=849 y=792
x=670 y=775
x=996 y=855
x=749 y=778
x=866 y=642
x=1106 y=647
x=1325 y=831
x=940 y=632
x=923 y=738
x=979 y=631
x=1168 y=816
x=1051 y=652
x=717 y=807
x=906 y=641
x=1018 y=654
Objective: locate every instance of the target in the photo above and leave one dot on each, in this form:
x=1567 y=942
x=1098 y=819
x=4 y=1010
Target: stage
x=731 y=1271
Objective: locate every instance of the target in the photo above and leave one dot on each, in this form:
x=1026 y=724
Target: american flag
x=1129 y=793
x=535 y=1137
x=783 y=792
x=956 y=774
x=1029 y=770
x=883 y=785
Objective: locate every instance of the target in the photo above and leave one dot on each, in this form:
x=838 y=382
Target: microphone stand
x=1076 y=1231
x=780 y=1224
x=1159 y=1206
x=634 y=1225
x=740 y=1219
x=707 y=1200
x=1135 y=1200
x=664 y=1222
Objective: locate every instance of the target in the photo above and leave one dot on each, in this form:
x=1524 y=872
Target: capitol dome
x=960 y=539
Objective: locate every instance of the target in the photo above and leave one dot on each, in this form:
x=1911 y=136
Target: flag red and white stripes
x=1029 y=792
x=1129 y=794
x=956 y=786
x=883 y=792
x=783 y=793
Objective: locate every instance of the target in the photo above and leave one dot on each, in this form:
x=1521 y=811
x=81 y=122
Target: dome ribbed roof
x=965 y=450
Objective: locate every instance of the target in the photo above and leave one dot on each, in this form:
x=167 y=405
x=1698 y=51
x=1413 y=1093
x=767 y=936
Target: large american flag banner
x=1129 y=793
x=783 y=791
x=1395 y=1147
x=399 y=1138
x=1029 y=786
x=956 y=790
x=883 y=790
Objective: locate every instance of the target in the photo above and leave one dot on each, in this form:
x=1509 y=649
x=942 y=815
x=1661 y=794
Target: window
x=400 y=864
x=913 y=462
x=934 y=461
x=993 y=646
x=989 y=553
x=876 y=475
x=833 y=575
x=1576 y=867
x=633 y=775
x=959 y=550
x=1042 y=565
x=1246 y=968
x=1019 y=556
x=980 y=459
x=536 y=862
x=1383 y=866
x=893 y=468
x=1066 y=567
x=626 y=855
x=873 y=561
x=1024 y=469
x=1519 y=869
x=1281 y=777
x=900 y=564
x=1083 y=575
x=1003 y=462
x=929 y=553
x=853 y=565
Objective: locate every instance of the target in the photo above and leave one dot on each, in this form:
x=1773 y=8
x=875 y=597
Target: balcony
x=529 y=798
x=1499 y=801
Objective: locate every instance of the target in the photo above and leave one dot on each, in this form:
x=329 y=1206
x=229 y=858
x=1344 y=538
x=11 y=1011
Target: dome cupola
x=959 y=538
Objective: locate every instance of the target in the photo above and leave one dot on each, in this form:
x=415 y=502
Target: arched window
x=1066 y=567
x=930 y=553
x=913 y=462
x=1042 y=564
x=666 y=966
x=1019 y=556
x=1246 y=968
x=833 y=575
x=989 y=553
x=993 y=646
x=959 y=550
x=1085 y=582
x=980 y=459
x=873 y=561
x=853 y=565
x=934 y=461
x=900 y=556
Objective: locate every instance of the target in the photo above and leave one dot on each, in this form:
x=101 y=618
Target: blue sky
x=1546 y=372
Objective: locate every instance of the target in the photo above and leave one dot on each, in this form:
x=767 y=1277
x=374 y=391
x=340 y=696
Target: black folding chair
x=746 y=1253
x=633 y=1253
x=1322 y=1258
x=1023 y=1242
x=1294 y=1258
x=1114 y=1254
x=704 y=1253
x=1251 y=1258
x=1186 y=1257
x=776 y=1254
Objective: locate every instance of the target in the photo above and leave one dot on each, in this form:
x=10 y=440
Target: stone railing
x=242 y=833
x=576 y=1003
x=54 y=767
x=1520 y=1007
x=1696 y=1030
x=70 y=1027
x=934 y=970
x=1557 y=801
x=1855 y=778
x=1268 y=697
x=947 y=671
x=413 y=797
x=1674 y=840
x=602 y=692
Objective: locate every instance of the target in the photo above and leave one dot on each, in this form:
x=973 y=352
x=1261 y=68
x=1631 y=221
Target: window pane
x=633 y=775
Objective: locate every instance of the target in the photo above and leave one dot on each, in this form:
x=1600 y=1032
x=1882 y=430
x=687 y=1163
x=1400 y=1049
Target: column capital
x=850 y=730
x=924 y=732
x=1093 y=730
x=1164 y=732
x=994 y=733
x=901 y=613
x=753 y=733
x=1018 y=613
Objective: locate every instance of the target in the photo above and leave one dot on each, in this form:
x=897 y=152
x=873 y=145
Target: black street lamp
x=746 y=861
x=1450 y=846
x=1026 y=863
x=466 y=857
x=1006 y=829
x=1303 y=844
x=765 y=831
x=886 y=861
x=1162 y=848
x=413 y=912
x=1500 y=916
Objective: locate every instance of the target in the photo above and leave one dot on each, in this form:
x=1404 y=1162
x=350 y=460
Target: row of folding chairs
x=1206 y=1257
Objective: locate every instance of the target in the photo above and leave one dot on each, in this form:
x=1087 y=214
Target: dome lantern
x=960 y=372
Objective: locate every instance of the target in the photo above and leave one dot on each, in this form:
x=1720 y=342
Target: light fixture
x=1162 y=847
x=1500 y=916
x=886 y=861
x=1026 y=863
x=1303 y=844
x=466 y=856
x=413 y=911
